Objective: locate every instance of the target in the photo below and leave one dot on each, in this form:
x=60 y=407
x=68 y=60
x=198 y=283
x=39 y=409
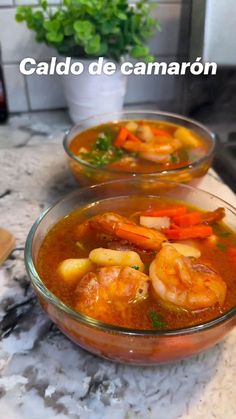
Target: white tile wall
x=32 y=2
x=219 y=45
x=166 y=42
x=6 y=3
x=16 y=91
x=18 y=41
x=150 y=89
x=44 y=92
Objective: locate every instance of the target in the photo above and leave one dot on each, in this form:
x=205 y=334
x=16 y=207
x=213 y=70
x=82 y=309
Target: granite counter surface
x=43 y=374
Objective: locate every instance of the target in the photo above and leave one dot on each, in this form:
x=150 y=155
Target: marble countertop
x=43 y=374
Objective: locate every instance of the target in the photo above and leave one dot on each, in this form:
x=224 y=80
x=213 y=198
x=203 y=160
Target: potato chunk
x=131 y=126
x=186 y=250
x=109 y=257
x=72 y=270
x=186 y=137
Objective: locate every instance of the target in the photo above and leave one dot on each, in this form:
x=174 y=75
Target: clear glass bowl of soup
x=137 y=339
x=148 y=143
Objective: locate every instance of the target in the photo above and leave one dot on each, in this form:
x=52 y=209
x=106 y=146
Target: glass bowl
x=87 y=174
x=142 y=347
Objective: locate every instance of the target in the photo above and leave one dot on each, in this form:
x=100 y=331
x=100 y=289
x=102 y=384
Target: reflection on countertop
x=43 y=374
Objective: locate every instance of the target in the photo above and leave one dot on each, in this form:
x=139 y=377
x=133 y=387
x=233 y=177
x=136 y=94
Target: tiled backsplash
x=45 y=92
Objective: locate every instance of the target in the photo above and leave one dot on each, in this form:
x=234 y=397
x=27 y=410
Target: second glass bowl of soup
x=144 y=143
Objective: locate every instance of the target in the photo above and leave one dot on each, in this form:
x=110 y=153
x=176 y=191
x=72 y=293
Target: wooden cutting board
x=7 y=244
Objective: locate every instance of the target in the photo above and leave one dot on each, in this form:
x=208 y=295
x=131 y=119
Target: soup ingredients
x=185 y=283
x=109 y=257
x=187 y=137
x=166 y=212
x=108 y=222
x=145 y=238
x=7 y=244
x=157 y=322
x=212 y=217
x=195 y=232
x=123 y=228
x=154 y=150
x=155 y=222
x=114 y=284
x=139 y=146
x=187 y=220
x=131 y=126
x=145 y=133
x=102 y=152
x=183 y=224
x=71 y=270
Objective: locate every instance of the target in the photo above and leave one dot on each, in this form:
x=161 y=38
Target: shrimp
x=185 y=283
x=123 y=228
x=212 y=217
x=155 y=150
x=110 y=284
x=145 y=133
x=108 y=222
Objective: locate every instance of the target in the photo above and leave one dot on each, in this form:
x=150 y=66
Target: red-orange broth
x=139 y=146
x=62 y=242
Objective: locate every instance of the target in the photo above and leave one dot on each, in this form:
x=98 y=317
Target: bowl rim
x=179 y=117
x=89 y=321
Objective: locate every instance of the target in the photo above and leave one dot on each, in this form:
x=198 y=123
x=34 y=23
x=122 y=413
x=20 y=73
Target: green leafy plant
x=92 y=28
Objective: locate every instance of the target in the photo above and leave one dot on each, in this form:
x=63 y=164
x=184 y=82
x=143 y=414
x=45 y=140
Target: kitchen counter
x=43 y=374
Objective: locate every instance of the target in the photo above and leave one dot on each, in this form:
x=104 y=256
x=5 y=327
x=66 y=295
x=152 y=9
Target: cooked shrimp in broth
x=123 y=228
x=184 y=282
x=142 y=262
x=111 y=285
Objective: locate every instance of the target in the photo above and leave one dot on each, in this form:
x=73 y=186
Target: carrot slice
x=160 y=133
x=125 y=135
x=122 y=137
x=166 y=212
x=133 y=137
x=132 y=233
x=195 y=232
x=188 y=220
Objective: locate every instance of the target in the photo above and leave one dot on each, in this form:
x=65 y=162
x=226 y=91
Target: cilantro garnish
x=220 y=232
x=221 y=246
x=173 y=158
x=103 y=142
x=156 y=320
x=103 y=151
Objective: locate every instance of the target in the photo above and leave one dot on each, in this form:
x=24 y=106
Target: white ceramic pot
x=88 y=95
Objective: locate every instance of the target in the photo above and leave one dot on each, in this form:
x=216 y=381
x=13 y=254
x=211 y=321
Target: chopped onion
x=155 y=222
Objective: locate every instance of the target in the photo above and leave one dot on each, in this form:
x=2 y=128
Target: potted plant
x=85 y=30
